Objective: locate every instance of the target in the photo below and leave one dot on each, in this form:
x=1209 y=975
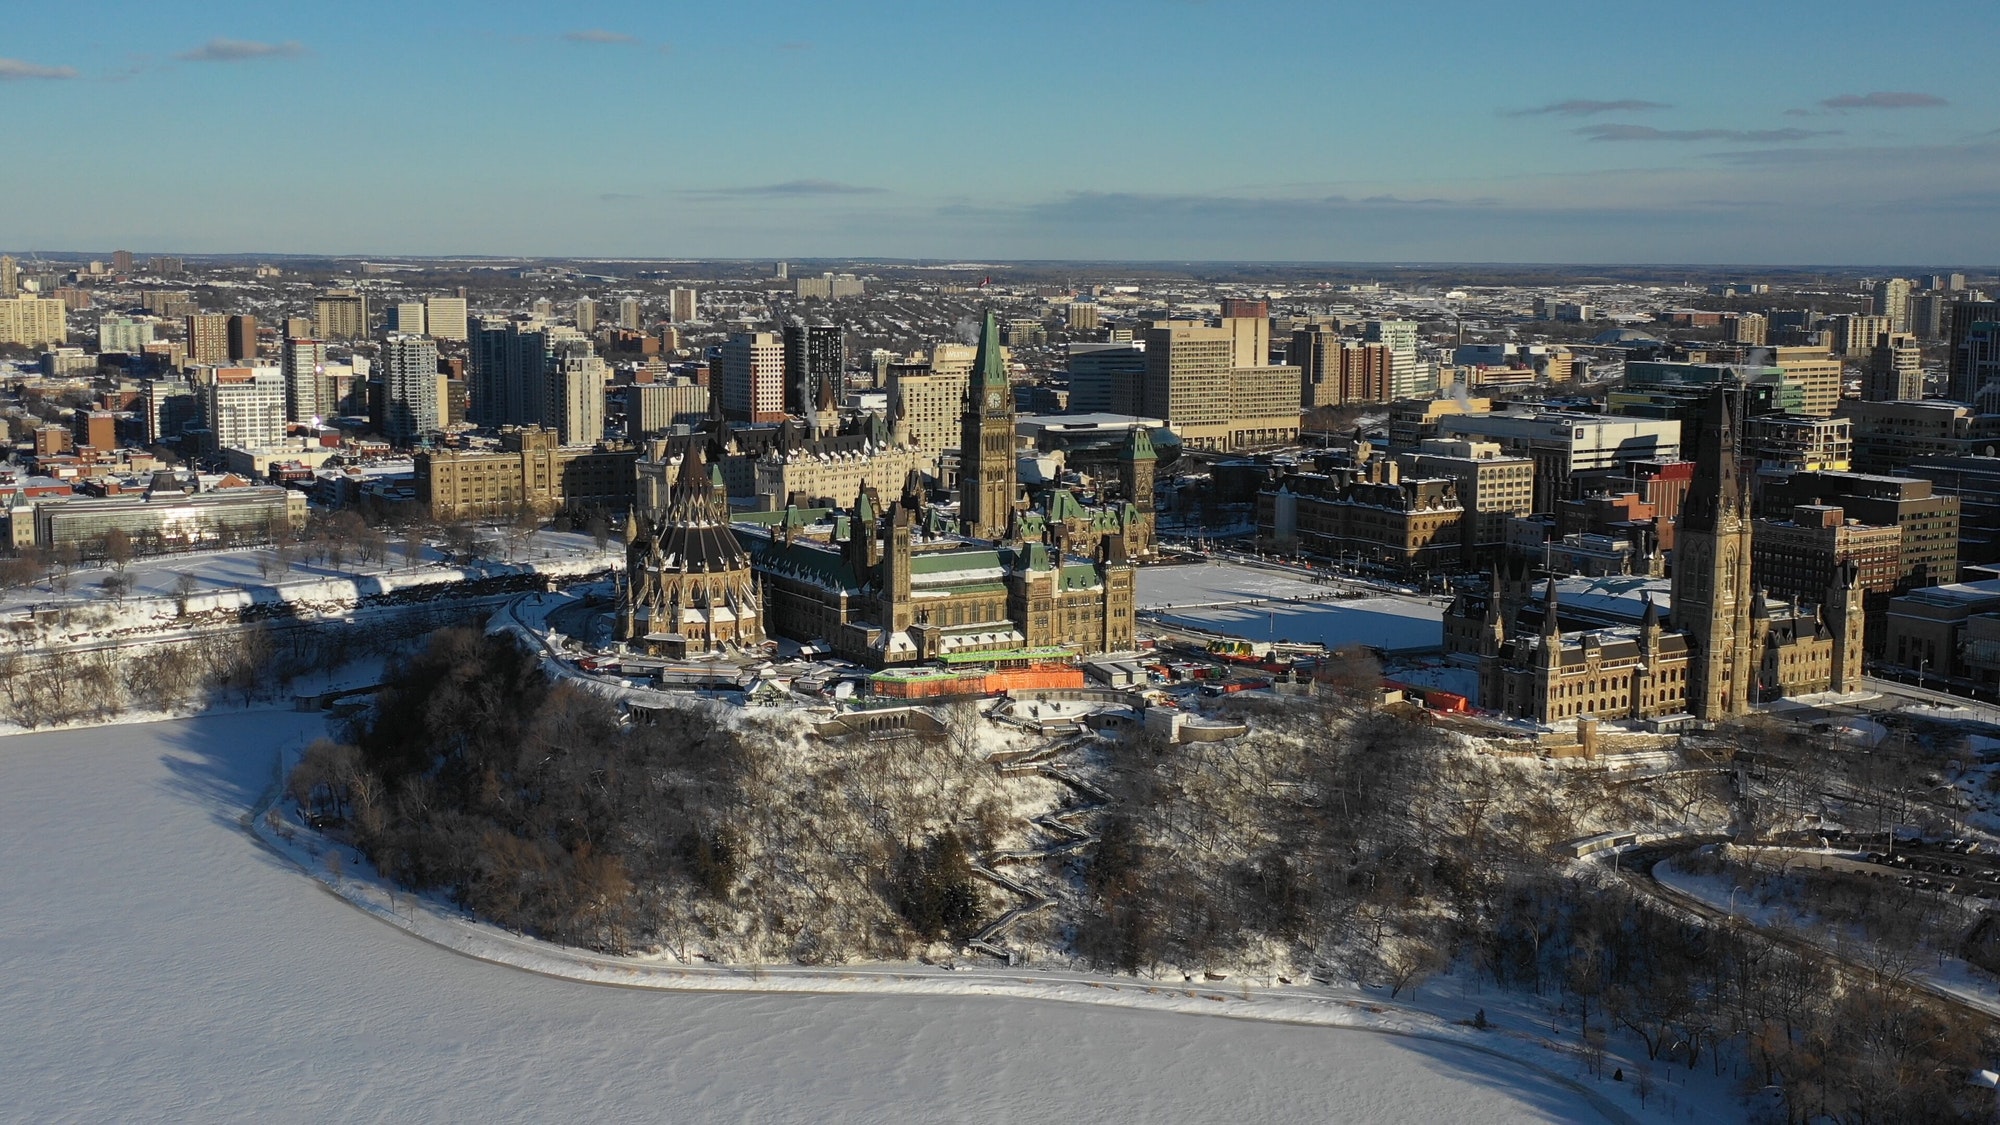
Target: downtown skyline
x=1155 y=131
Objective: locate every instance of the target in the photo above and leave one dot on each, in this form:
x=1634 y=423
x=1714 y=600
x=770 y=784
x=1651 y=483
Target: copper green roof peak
x=990 y=366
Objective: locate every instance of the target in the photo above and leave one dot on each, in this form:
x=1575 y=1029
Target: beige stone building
x=1819 y=373
x=531 y=470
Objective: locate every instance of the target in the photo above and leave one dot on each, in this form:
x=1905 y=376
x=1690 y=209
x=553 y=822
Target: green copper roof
x=1139 y=445
x=990 y=366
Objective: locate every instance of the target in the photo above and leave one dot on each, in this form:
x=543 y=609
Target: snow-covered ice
x=156 y=963
x=1264 y=605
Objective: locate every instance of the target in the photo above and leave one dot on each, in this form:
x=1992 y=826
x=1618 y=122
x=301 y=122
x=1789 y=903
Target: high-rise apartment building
x=576 y=381
x=1751 y=329
x=169 y=407
x=1080 y=316
x=681 y=305
x=10 y=277
x=814 y=356
x=33 y=321
x=241 y=407
x=629 y=316
x=308 y=392
x=409 y=389
x=1892 y=299
x=1895 y=369
x=126 y=334
x=242 y=337
x=1409 y=376
x=444 y=317
x=341 y=314
x=121 y=262
x=1974 y=339
x=511 y=362
x=1854 y=333
x=586 y=315
x=407 y=318
x=207 y=338
x=1335 y=370
x=752 y=377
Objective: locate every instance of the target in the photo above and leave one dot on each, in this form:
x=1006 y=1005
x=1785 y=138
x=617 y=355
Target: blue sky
x=1753 y=132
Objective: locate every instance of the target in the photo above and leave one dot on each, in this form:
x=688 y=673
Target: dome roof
x=1624 y=336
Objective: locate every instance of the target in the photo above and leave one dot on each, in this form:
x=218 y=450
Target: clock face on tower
x=992 y=400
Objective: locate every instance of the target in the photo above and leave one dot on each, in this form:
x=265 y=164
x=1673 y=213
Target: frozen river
x=156 y=964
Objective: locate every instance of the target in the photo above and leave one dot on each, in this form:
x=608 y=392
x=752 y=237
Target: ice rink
x=1265 y=605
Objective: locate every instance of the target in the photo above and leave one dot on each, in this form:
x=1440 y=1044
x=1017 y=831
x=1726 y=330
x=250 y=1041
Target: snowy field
x=157 y=964
x=244 y=569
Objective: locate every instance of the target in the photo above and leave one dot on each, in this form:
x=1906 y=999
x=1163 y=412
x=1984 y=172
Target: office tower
x=1854 y=333
x=986 y=442
x=121 y=262
x=576 y=392
x=1104 y=378
x=586 y=315
x=1817 y=372
x=341 y=314
x=123 y=334
x=1973 y=336
x=308 y=392
x=207 y=338
x=241 y=407
x=628 y=313
x=33 y=321
x=407 y=318
x=10 y=277
x=1409 y=377
x=814 y=357
x=1892 y=299
x=445 y=317
x=1335 y=371
x=242 y=337
x=652 y=408
x=1928 y=313
x=681 y=305
x=1187 y=380
x=409 y=389
x=752 y=377
x=510 y=370
x=1895 y=369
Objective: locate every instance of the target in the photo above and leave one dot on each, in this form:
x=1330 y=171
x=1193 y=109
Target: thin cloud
x=791 y=188
x=242 y=50
x=1584 y=107
x=1734 y=136
x=1884 y=99
x=16 y=70
x=597 y=35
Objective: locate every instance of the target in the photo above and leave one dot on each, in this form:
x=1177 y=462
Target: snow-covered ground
x=1264 y=605
x=157 y=963
x=245 y=569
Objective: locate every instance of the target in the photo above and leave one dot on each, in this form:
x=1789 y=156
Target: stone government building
x=896 y=582
x=1729 y=646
